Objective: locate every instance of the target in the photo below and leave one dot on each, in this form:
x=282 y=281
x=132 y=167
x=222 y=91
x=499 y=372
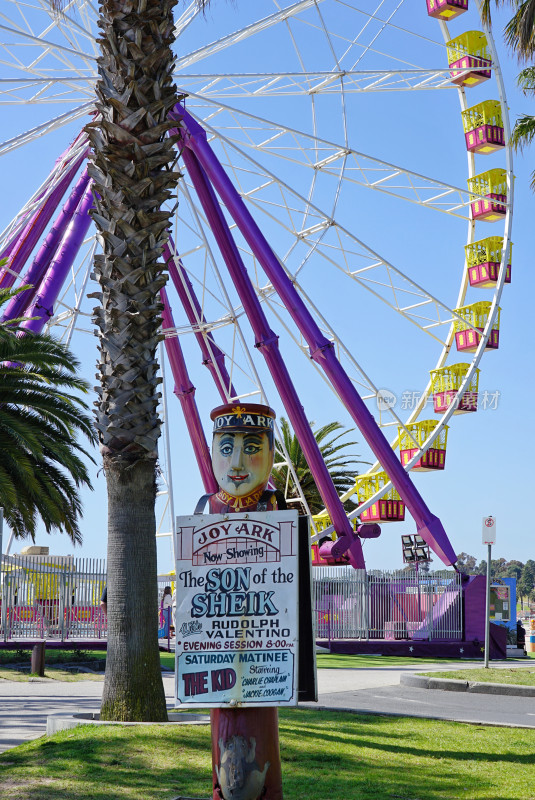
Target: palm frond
x=333 y=444
x=526 y=80
x=42 y=463
x=519 y=32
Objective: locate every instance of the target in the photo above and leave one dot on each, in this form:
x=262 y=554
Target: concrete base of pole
x=245 y=754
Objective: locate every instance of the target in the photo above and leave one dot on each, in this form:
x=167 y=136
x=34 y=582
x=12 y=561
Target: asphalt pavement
x=24 y=707
x=382 y=693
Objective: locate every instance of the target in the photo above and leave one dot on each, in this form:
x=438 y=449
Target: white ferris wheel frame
x=376 y=174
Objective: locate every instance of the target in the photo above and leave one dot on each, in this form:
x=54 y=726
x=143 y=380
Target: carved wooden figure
x=245 y=741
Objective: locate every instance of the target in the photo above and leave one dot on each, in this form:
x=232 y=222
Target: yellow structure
x=469 y=58
x=475 y=316
x=445 y=385
x=489 y=112
x=411 y=439
x=488 y=192
x=483 y=259
x=483 y=127
x=389 y=508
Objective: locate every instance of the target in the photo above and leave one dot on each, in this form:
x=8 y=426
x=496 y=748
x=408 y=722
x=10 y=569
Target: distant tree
x=342 y=466
x=514 y=569
x=466 y=563
x=423 y=567
x=526 y=583
x=498 y=568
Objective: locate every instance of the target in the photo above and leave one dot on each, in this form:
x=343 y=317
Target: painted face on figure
x=242 y=461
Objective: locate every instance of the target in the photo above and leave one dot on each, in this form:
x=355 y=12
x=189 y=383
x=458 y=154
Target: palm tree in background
x=342 y=466
x=520 y=36
x=42 y=465
x=132 y=166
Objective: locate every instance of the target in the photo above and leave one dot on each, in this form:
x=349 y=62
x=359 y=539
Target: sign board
x=237 y=609
x=489 y=530
x=500 y=603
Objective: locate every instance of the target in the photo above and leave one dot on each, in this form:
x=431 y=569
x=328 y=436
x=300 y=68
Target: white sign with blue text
x=237 y=609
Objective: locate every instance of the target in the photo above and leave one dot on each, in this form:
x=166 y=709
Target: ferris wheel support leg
x=267 y=343
x=41 y=262
x=42 y=307
x=32 y=231
x=213 y=356
x=185 y=391
x=321 y=349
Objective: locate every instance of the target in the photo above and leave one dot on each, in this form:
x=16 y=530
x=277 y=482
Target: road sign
x=489 y=530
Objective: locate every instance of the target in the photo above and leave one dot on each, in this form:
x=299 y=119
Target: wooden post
x=38 y=659
x=245 y=754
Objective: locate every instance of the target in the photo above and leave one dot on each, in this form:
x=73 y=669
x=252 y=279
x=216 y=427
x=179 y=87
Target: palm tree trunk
x=133 y=688
x=132 y=169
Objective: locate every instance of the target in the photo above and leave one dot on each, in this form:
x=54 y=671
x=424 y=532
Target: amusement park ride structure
x=269 y=201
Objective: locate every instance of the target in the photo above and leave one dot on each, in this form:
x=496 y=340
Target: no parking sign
x=489 y=530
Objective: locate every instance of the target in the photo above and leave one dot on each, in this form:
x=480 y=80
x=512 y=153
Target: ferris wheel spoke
x=245 y=32
x=341 y=249
x=48 y=47
x=232 y=315
x=45 y=127
x=298 y=147
x=186 y=18
x=40 y=91
x=353 y=368
x=296 y=84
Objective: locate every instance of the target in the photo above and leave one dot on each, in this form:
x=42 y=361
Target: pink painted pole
x=267 y=343
x=13 y=242
x=33 y=230
x=43 y=306
x=321 y=349
x=213 y=356
x=185 y=391
x=18 y=305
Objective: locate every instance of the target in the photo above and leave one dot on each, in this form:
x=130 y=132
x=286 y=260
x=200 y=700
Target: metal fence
x=58 y=597
x=52 y=597
x=354 y=604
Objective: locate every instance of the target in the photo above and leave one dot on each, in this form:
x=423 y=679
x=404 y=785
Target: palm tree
x=520 y=36
x=42 y=465
x=342 y=467
x=132 y=166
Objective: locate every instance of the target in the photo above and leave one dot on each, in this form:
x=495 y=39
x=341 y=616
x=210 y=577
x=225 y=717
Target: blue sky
x=488 y=459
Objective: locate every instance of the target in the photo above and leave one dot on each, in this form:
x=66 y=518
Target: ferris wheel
x=363 y=144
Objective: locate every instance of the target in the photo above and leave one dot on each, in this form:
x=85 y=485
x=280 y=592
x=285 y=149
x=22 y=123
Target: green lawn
x=96 y=658
x=52 y=673
x=324 y=755
x=335 y=661
x=519 y=676
x=52 y=656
